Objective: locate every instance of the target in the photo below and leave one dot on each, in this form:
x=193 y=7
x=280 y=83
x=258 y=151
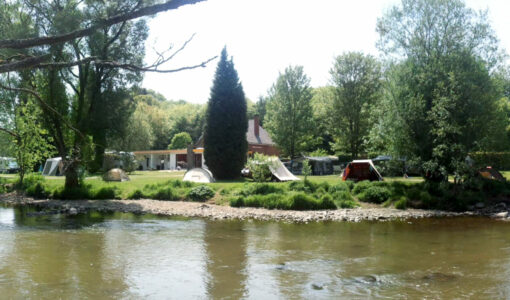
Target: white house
x=167 y=159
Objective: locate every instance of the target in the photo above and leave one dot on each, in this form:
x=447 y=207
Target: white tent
x=198 y=175
x=53 y=167
x=280 y=171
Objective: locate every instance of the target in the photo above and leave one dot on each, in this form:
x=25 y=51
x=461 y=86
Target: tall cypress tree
x=225 y=144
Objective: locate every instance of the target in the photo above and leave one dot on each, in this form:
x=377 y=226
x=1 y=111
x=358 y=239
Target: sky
x=266 y=36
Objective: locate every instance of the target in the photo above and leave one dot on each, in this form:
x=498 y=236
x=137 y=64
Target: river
x=112 y=256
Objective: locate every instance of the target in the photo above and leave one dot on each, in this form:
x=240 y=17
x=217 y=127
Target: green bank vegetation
x=317 y=192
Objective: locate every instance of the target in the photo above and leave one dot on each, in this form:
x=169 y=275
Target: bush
x=294 y=201
x=339 y=187
x=105 y=193
x=31 y=180
x=326 y=202
x=201 y=193
x=260 y=189
x=237 y=201
x=344 y=199
x=350 y=184
x=301 y=201
x=77 y=193
x=165 y=193
x=375 y=194
x=361 y=186
x=303 y=186
x=136 y=195
x=401 y=204
x=259 y=167
x=37 y=191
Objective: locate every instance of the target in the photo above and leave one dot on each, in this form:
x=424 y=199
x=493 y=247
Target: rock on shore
x=205 y=210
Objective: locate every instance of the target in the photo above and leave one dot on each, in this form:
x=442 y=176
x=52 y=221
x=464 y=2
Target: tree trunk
x=72 y=178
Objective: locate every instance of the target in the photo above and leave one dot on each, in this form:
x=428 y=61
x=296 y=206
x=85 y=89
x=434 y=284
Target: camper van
x=8 y=165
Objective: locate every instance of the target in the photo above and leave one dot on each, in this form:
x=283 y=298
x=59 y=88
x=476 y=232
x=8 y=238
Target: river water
x=112 y=256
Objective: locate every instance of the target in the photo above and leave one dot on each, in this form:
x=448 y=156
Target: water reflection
x=111 y=256
x=225 y=246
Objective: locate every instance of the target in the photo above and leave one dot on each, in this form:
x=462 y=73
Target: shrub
x=165 y=193
x=414 y=193
x=338 y=187
x=259 y=167
x=303 y=186
x=360 y=187
x=401 y=203
x=2 y=189
x=301 y=201
x=350 y=184
x=260 y=189
x=136 y=195
x=320 y=191
x=237 y=201
x=105 y=193
x=326 y=202
x=37 y=190
x=31 y=180
x=375 y=194
x=344 y=199
x=77 y=193
x=294 y=201
x=201 y=193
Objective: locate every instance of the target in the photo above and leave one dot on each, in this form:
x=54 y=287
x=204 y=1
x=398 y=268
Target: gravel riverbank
x=211 y=211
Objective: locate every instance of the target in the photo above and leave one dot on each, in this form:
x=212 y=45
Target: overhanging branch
x=50 y=40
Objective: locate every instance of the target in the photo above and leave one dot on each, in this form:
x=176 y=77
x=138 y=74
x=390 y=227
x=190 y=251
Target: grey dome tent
x=53 y=167
x=198 y=175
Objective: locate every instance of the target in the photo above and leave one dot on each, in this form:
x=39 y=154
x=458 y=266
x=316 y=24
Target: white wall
x=173 y=162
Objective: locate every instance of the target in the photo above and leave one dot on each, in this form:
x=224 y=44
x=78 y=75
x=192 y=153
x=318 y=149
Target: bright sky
x=265 y=36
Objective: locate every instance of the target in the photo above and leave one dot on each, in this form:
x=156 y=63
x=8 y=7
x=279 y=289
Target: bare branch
x=114 y=64
x=132 y=67
x=161 y=60
x=50 y=40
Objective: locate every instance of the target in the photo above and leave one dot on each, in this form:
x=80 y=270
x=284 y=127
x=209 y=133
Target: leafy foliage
x=259 y=166
x=441 y=102
x=357 y=79
x=289 y=112
x=180 y=141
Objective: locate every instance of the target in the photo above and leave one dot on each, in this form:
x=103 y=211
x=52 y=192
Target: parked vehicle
x=8 y=165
